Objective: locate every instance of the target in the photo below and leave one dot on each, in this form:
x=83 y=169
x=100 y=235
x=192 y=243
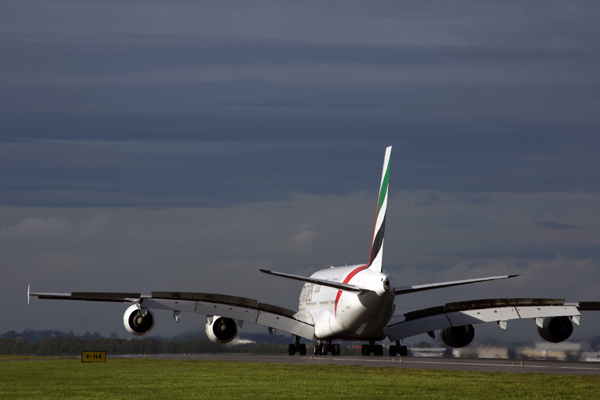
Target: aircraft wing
x=237 y=308
x=403 y=325
x=89 y=296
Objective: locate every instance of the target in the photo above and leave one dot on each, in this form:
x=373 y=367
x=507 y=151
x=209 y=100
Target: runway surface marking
x=527 y=363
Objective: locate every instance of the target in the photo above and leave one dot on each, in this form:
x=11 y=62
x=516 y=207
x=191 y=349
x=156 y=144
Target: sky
x=181 y=146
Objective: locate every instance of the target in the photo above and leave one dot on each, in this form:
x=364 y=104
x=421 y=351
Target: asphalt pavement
x=457 y=364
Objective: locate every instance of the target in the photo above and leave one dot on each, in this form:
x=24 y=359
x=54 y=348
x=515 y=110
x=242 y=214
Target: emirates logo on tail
x=376 y=257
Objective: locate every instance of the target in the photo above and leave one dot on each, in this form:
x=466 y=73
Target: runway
x=456 y=364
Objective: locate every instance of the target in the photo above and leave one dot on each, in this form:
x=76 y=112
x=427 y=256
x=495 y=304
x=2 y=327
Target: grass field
x=200 y=379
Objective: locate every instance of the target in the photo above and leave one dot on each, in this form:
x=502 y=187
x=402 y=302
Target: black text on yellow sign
x=93 y=356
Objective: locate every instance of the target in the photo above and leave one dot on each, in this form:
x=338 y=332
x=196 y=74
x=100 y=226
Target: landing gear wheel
x=324 y=349
x=393 y=351
x=403 y=351
x=297 y=347
x=366 y=350
x=302 y=349
x=317 y=349
x=336 y=350
x=378 y=350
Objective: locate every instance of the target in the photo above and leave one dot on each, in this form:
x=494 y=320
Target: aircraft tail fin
x=376 y=256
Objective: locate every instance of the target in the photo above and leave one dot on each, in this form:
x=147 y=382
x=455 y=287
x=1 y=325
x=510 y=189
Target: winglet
x=376 y=256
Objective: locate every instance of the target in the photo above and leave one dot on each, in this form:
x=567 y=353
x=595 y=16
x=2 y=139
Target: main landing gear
x=297 y=347
x=377 y=350
x=398 y=350
x=322 y=348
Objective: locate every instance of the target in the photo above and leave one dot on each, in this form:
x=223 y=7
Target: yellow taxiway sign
x=93 y=356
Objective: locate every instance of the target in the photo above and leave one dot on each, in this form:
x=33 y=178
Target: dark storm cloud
x=475 y=99
x=541 y=252
x=167 y=76
x=162 y=173
x=120 y=54
x=555 y=225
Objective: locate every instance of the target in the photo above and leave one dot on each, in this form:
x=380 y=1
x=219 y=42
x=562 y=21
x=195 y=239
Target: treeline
x=31 y=336
x=66 y=346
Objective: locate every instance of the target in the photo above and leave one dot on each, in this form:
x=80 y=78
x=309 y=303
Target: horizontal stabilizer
x=439 y=285
x=336 y=285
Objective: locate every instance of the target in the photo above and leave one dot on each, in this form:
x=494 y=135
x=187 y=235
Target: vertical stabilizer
x=376 y=257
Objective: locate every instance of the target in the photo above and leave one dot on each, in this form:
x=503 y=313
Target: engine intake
x=556 y=329
x=458 y=336
x=221 y=330
x=136 y=323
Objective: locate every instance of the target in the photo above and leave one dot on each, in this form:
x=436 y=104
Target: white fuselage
x=345 y=315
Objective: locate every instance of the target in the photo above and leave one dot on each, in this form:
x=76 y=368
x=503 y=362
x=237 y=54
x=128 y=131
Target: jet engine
x=220 y=330
x=458 y=336
x=556 y=329
x=136 y=323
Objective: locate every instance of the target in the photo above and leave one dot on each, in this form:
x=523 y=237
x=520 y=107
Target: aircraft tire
x=291 y=349
x=324 y=349
x=302 y=349
x=403 y=351
x=378 y=350
x=336 y=350
x=366 y=350
x=393 y=351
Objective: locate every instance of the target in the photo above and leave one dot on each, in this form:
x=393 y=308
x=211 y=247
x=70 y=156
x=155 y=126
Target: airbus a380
x=348 y=303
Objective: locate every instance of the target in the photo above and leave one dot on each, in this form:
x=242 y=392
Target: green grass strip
x=200 y=379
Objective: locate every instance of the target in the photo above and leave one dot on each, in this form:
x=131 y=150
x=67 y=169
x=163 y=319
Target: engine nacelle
x=221 y=330
x=136 y=323
x=458 y=336
x=556 y=329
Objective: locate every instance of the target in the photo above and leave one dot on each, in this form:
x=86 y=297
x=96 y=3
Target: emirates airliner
x=348 y=303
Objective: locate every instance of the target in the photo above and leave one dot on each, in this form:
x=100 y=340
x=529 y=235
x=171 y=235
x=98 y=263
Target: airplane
x=348 y=303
